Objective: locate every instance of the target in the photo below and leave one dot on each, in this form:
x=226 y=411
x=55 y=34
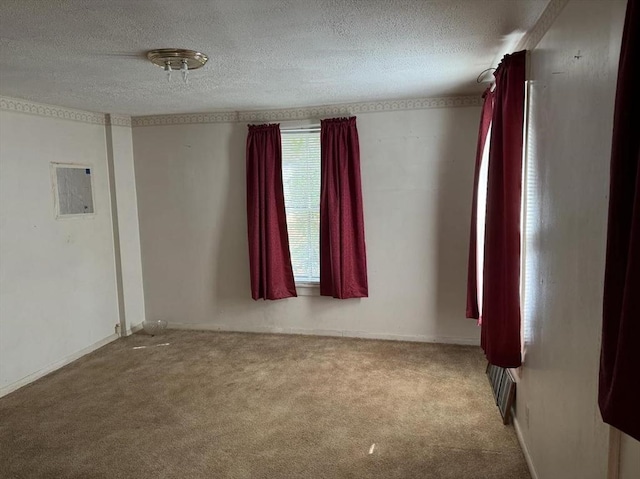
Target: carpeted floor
x=231 y=405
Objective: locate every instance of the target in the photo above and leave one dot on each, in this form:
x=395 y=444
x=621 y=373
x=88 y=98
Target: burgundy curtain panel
x=343 y=258
x=269 y=256
x=472 y=272
x=500 y=330
x=619 y=388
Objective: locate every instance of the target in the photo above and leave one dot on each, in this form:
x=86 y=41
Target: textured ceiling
x=263 y=54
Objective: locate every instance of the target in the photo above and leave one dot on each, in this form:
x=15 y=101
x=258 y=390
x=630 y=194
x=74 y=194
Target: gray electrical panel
x=74 y=192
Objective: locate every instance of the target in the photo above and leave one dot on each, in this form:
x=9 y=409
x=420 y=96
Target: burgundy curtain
x=472 y=272
x=269 y=257
x=619 y=388
x=500 y=333
x=343 y=259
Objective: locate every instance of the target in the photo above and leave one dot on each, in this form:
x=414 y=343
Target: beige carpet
x=228 y=405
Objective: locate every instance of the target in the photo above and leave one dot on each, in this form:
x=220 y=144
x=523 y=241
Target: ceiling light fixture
x=170 y=59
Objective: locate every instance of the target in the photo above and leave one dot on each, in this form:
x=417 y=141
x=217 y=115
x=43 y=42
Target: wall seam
x=115 y=228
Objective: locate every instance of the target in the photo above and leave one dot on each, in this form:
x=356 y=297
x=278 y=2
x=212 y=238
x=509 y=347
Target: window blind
x=301 y=181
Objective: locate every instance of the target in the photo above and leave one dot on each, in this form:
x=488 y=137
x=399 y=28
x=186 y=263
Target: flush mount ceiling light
x=170 y=59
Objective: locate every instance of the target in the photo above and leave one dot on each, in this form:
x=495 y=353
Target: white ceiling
x=263 y=54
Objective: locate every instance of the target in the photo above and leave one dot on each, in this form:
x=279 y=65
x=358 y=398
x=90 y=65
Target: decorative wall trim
x=531 y=39
x=185 y=118
x=314 y=112
x=118 y=120
x=355 y=108
x=50 y=111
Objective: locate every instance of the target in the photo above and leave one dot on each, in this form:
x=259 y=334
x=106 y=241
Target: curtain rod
x=479 y=79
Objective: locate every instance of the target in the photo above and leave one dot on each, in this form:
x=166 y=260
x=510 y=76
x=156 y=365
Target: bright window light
x=301 y=179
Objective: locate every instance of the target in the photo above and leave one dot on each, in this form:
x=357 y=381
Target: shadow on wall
x=452 y=222
x=232 y=283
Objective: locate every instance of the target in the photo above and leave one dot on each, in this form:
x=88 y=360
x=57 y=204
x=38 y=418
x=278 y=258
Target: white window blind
x=301 y=180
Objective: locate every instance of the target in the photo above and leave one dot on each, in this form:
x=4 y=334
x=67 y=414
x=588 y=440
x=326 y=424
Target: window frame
x=303 y=287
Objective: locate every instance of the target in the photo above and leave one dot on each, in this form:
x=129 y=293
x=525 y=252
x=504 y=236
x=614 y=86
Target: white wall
x=569 y=151
x=629 y=458
x=417 y=171
x=57 y=279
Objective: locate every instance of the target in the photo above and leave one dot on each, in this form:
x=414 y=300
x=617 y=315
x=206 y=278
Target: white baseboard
x=323 y=332
x=525 y=449
x=134 y=329
x=57 y=365
x=420 y=338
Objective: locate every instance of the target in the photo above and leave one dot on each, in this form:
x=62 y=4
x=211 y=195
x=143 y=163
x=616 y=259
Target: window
x=483 y=185
x=301 y=180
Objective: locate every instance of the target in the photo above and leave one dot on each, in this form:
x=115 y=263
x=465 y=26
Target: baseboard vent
x=503 y=385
